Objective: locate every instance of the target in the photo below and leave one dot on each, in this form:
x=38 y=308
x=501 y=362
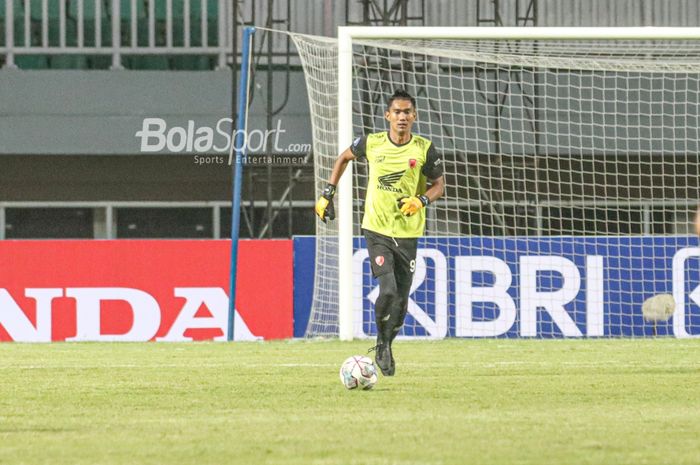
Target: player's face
x=401 y=116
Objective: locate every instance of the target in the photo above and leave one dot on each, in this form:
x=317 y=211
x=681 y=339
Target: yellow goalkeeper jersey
x=395 y=171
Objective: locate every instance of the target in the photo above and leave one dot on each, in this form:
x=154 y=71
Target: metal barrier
x=105 y=220
x=144 y=28
x=105 y=223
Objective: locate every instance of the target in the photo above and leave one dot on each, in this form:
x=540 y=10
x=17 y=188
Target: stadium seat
x=35 y=6
x=124 y=9
x=19 y=22
x=178 y=9
x=68 y=62
x=195 y=22
x=54 y=13
x=140 y=9
x=19 y=32
x=146 y=62
x=89 y=11
x=212 y=8
x=99 y=62
x=32 y=62
x=196 y=25
x=195 y=9
x=191 y=63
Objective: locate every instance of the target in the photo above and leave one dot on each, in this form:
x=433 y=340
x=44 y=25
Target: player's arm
x=436 y=189
x=339 y=166
x=324 y=206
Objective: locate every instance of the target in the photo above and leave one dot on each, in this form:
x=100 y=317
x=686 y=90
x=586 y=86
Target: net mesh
x=572 y=176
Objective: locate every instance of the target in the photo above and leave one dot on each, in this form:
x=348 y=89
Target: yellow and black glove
x=409 y=206
x=324 y=206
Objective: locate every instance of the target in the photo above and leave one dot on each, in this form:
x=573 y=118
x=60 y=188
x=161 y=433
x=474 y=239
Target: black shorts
x=390 y=254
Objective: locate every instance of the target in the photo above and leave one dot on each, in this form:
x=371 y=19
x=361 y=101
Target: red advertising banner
x=143 y=290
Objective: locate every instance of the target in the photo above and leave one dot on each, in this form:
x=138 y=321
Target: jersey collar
x=388 y=136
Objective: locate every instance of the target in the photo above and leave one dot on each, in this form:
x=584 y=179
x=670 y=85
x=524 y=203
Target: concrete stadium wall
x=56 y=112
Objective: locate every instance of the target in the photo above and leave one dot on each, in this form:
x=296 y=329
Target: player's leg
x=404 y=267
x=387 y=307
x=382 y=262
x=403 y=290
x=403 y=284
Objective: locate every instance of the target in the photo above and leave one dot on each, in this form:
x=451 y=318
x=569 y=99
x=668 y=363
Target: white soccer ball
x=358 y=372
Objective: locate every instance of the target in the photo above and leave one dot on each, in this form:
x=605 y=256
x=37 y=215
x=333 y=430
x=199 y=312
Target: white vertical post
x=345 y=226
x=2 y=222
x=81 y=24
x=205 y=22
x=151 y=23
x=110 y=227
x=222 y=21
x=10 y=44
x=169 y=23
x=116 y=36
x=186 y=22
x=98 y=23
x=134 y=24
x=216 y=222
x=45 y=23
x=62 y=23
x=27 y=22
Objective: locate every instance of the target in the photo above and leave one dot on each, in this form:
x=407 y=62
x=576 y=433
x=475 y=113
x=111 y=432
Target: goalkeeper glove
x=324 y=207
x=410 y=205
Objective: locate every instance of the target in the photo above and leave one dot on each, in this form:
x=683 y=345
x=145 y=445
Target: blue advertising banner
x=528 y=287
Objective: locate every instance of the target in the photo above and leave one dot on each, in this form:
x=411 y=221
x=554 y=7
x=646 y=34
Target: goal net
x=571 y=169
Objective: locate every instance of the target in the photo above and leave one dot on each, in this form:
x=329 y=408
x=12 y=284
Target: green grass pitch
x=451 y=402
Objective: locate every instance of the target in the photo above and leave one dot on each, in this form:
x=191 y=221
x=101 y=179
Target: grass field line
x=140 y=366
x=613 y=364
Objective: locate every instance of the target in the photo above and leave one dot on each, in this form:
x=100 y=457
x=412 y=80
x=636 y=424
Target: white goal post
x=639 y=59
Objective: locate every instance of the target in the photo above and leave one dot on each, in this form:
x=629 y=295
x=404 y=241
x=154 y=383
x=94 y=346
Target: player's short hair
x=400 y=94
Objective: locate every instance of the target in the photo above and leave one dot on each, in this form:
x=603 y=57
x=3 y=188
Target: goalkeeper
x=405 y=177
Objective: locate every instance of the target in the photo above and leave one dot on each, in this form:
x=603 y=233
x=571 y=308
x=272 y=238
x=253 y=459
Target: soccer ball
x=358 y=371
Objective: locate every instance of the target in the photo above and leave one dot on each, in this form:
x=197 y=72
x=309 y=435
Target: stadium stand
x=192 y=24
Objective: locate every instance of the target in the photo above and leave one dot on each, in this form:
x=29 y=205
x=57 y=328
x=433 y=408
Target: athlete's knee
x=388 y=294
x=387 y=287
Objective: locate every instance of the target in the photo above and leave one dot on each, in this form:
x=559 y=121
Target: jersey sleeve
x=359 y=147
x=433 y=164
